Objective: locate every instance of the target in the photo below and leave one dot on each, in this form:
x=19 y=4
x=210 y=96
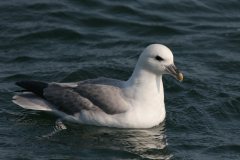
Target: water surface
x=66 y=41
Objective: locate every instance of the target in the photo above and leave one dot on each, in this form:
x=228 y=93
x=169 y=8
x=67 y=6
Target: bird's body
x=135 y=103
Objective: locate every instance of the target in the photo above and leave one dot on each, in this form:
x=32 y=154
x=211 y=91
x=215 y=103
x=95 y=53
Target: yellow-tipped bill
x=180 y=77
x=172 y=69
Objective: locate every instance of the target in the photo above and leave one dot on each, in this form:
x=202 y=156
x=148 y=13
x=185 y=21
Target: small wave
x=57 y=34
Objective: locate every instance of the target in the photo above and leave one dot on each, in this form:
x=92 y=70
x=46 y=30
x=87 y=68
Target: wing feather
x=88 y=95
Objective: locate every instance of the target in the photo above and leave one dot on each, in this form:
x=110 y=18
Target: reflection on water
x=84 y=141
x=148 y=143
x=57 y=128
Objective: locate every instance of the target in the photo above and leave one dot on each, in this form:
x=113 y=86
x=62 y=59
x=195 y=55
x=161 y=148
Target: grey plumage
x=97 y=95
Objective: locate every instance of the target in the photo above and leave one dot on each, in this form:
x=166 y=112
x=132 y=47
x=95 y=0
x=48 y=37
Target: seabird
x=135 y=103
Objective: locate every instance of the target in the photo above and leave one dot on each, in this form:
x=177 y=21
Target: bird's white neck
x=145 y=90
x=146 y=84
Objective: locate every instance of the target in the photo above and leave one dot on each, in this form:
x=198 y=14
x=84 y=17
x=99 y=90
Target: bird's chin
x=172 y=70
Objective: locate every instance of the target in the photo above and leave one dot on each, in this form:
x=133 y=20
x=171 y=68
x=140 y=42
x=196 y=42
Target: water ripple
x=65 y=41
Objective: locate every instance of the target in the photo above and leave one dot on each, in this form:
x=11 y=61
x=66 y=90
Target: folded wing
x=99 y=95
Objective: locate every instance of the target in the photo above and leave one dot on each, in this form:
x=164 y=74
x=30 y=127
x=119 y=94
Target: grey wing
x=87 y=96
x=109 y=98
x=103 y=81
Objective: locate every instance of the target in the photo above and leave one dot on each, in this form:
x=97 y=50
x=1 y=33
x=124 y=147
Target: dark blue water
x=66 y=41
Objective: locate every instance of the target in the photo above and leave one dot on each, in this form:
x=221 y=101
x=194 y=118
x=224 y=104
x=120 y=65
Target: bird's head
x=158 y=59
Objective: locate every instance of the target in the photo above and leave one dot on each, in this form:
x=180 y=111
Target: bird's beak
x=172 y=69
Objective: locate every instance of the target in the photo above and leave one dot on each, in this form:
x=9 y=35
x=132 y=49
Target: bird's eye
x=158 y=58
